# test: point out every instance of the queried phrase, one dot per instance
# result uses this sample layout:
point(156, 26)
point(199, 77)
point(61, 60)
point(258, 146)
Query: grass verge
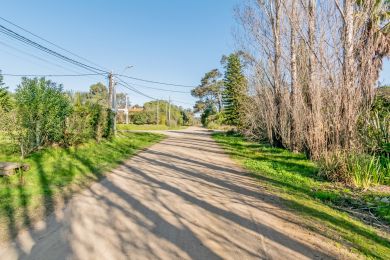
point(133, 127)
point(56, 173)
point(294, 179)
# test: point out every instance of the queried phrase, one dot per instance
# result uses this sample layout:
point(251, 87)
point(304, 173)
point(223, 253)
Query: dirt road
point(181, 199)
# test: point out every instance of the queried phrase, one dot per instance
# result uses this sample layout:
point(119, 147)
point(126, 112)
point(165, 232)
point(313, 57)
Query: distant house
point(136, 108)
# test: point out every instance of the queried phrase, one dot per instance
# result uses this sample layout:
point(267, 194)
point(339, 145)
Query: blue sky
point(165, 40)
point(172, 40)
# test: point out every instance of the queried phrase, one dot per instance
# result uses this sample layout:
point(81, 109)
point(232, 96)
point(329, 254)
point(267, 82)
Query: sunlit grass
point(294, 179)
point(57, 172)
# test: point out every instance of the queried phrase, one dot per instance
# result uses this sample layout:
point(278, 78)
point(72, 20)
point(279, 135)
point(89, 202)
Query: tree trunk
point(348, 71)
point(277, 140)
point(311, 93)
point(293, 68)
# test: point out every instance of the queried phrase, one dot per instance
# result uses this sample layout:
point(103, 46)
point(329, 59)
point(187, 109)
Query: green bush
point(42, 108)
point(101, 118)
point(78, 125)
point(358, 170)
point(90, 117)
point(374, 127)
point(366, 170)
point(334, 167)
point(142, 118)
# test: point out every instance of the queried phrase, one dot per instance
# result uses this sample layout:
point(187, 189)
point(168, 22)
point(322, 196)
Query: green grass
point(133, 127)
point(56, 173)
point(295, 181)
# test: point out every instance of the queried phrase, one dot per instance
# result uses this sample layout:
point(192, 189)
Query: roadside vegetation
point(134, 127)
point(221, 97)
point(321, 111)
point(65, 138)
point(56, 173)
point(158, 112)
point(307, 96)
point(295, 180)
point(301, 98)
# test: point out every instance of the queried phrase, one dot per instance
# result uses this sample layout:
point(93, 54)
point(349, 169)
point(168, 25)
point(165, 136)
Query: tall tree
point(348, 69)
point(293, 72)
point(235, 90)
point(277, 84)
point(210, 90)
point(99, 93)
point(373, 43)
point(121, 100)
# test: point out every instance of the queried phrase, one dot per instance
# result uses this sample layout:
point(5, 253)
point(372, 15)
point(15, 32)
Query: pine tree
point(235, 90)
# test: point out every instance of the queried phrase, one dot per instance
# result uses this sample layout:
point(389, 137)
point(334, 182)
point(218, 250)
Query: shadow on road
point(162, 199)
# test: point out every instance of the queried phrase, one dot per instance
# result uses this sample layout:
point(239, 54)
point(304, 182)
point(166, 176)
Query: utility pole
point(166, 112)
point(169, 112)
point(157, 112)
point(110, 83)
point(127, 110)
point(112, 99)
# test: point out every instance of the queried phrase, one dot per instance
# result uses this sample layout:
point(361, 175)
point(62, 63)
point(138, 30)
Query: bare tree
point(313, 66)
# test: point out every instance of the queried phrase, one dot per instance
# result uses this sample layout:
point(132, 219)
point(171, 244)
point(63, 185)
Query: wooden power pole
point(157, 112)
point(169, 112)
point(112, 99)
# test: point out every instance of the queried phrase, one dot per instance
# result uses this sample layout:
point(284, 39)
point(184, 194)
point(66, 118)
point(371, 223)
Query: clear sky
point(165, 40)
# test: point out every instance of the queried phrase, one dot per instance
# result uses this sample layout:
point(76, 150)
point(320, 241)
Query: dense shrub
point(366, 170)
point(78, 124)
point(355, 169)
point(212, 119)
point(90, 118)
point(371, 165)
point(43, 115)
point(100, 118)
point(143, 117)
point(374, 127)
point(210, 110)
point(42, 108)
point(334, 167)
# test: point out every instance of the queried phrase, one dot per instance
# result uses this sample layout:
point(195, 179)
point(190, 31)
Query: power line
point(36, 57)
point(53, 44)
point(156, 82)
point(96, 71)
point(36, 45)
point(160, 89)
point(126, 85)
point(50, 75)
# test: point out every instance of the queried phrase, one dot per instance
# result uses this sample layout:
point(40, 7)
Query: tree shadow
point(323, 216)
point(190, 169)
point(267, 231)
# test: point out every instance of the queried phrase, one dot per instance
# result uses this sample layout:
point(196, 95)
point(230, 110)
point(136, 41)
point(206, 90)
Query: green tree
point(99, 93)
point(235, 93)
point(210, 90)
point(5, 100)
point(120, 100)
point(163, 107)
point(42, 108)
